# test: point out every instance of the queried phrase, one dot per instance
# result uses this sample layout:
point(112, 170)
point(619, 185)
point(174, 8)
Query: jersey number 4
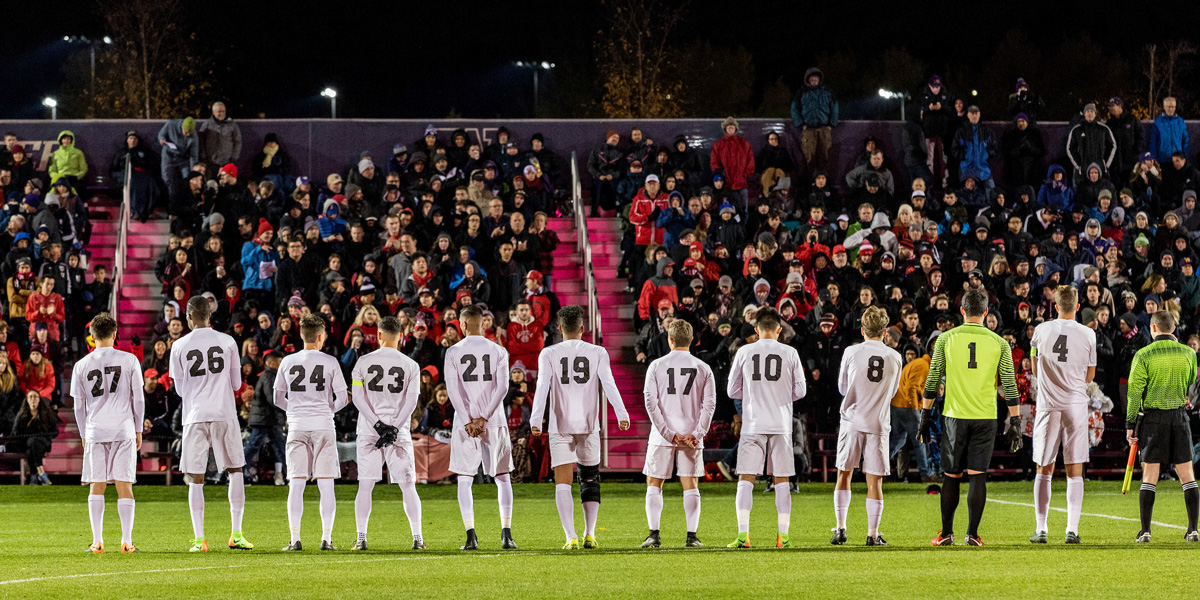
point(216, 362)
point(1060, 348)
point(97, 379)
point(317, 378)
point(774, 361)
point(376, 385)
point(583, 370)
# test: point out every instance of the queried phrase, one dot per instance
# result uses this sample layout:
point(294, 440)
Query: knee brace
point(589, 483)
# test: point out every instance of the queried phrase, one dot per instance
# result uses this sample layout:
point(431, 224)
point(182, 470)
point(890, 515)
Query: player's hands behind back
point(387, 434)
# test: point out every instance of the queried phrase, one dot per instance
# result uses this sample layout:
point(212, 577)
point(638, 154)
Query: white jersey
point(385, 385)
point(869, 379)
point(768, 376)
point(206, 369)
point(1063, 349)
point(109, 403)
point(476, 377)
point(570, 375)
point(681, 394)
point(309, 387)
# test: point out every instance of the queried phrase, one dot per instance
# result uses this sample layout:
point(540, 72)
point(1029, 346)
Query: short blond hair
point(680, 332)
point(874, 321)
point(1066, 297)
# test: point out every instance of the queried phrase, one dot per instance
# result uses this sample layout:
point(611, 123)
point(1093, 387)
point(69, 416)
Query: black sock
point(950, 487)
point(1146, 505)
point(976, 499)
point(1191, 499)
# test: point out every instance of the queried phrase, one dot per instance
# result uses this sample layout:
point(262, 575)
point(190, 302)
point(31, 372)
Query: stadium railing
point(122, 244)
point(594, 323)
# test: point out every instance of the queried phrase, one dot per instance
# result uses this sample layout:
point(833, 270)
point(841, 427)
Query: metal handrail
point(122, 249)
point(594, 323)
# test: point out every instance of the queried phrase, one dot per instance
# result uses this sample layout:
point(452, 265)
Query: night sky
point(423, 59)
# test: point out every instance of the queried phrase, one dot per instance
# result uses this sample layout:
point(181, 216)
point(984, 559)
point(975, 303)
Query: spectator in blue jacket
point(259, 262)
point(180, 149)
point(1055, 193)
point(974, 146)
point(678, 218)
point(1168, 134)
point(333, 227)
point(815, 114)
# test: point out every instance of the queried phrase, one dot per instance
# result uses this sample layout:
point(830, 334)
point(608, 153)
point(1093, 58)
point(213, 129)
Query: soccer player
point(1064, 362)
point(1159, 379)
point(572, 373)
point(384, 387)
point(681, 394)
point(768, 376)
point(477, 382)
point(310, 388)
point(110, 409)
point(970, 356)
point(206, 368)
point(869, 379)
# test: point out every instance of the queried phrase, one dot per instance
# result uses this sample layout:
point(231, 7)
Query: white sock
point(505, 498)
point(466, 502)
point(565, 501)
point(237, 499)
point(328, 508)
point(691, 509)
point(1041, 499)
point(743, 501)
point(654, 504)
point(591, 510)
point(279, 468)
point(125, 510)
point(362, 506)
point(841, 504)
point(96, 515)
point(196, 503)
point(412, 508)
point(295, 506)
point(874, 514)
point(1074, 503)
point(783, 506)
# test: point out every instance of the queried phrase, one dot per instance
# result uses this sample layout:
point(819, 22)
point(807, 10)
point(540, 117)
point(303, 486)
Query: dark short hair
point(470, 313)
point(767, 319)
point(311, 326)
point(570, 318)
point(198, 310)
point(390, 326)
point(975, 302)
point(103, 326)
point(1163, 321)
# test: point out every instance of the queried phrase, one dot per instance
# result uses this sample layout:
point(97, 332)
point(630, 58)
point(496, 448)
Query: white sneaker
point(279, 478)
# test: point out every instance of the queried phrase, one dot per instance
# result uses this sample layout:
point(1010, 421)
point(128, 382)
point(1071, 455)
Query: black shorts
point(967, 444)
point(1165, 437)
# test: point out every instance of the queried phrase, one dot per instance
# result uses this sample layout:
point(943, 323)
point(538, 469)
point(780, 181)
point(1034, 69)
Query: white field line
point(1083, 514)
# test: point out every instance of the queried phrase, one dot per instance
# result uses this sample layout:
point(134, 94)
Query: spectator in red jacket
point(542, 302)
point(39, 373)
point(732, 155)
point(45, 306)
point(525, 339)
point(644, 214)
point(658, 288)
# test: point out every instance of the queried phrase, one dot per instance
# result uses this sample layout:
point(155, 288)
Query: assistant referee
point(1159, 379)
point(972, 357)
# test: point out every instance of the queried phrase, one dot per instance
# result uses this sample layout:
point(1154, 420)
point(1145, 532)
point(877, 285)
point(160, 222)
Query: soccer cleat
point(237, 542)
point(360, 544)
point(328, 546)
point(418, 544)
point(974, 540)
point(1072, 538)
point(572, 544)
point(653, 541)
point(506, 539)
point(693, 541)
point(876, 540)
point(97, 548)
point(726, 472)
point(1142, 538)
point(943, 540)
point(1192, 536)
point(590, 543)
point(293, 547)
point(742, 541)
point(1039, 537)
point(128, 548)
point(199, 545)
point(783, 540)
point(839, 537)
point(472, 543)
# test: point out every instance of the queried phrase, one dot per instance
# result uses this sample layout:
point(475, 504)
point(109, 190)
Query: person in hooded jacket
point(682, 156)
point(143, 189)
point(67, 160)
point(1056, 192)
point(606, 165)
point(1024, 148)
point(274, 164)
point(773, 161)
point(654, 290)
point(815, 114)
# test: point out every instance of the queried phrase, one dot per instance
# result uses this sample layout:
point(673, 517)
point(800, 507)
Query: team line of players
point(680, 396)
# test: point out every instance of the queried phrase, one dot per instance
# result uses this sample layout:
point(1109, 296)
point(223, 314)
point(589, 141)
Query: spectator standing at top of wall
point(1090, 141)
point(1168, 134)
point(220, 139)
point(1127, 130)
point(974, 147)
point(1025, 101)
point(732, 155)
point(815, 114)
point(936, 117)
point(180, 149)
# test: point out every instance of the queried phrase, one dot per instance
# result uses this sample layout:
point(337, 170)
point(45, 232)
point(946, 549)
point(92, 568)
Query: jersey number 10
point(774, 361)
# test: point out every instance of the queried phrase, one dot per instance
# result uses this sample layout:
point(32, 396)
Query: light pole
point(82, 39)
point(52, 104)
point(901, 96)
point(332, 95)
point(536, 66)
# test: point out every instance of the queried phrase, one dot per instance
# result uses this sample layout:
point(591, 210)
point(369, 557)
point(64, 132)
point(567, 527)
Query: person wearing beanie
point(68, 160)
point(180, 149)
point(369, 180)
point(1168, 133)
point(815, 114)
point(1127, 130)
point(731, 155)
point(1023, 147)
point(272, 163)
point(1023, 101)
point(260, 260)
point(143, 188)
point(1089, 142)
point(605, 165)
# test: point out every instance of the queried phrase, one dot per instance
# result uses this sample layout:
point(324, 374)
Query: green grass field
point(43, 532)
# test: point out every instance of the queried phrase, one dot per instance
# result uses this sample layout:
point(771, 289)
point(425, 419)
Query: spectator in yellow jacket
point(67, 161)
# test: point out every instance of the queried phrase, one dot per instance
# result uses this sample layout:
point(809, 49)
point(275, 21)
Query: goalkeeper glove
point(1013, 432)
point(926, 424)
point(387, 434)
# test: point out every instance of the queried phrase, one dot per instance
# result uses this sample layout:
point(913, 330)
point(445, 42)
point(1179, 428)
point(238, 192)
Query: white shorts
point(312, 455)
point(225, 439)
point(107, 462)
point(661, 461)
point(569, 448)
point(870, 450)
point(398, 456)
point(1067, 426)
point(775, 449)
point(492, 449)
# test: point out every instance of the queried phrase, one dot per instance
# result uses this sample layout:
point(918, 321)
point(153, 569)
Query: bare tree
point(634, 59)
point(1163, 67)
